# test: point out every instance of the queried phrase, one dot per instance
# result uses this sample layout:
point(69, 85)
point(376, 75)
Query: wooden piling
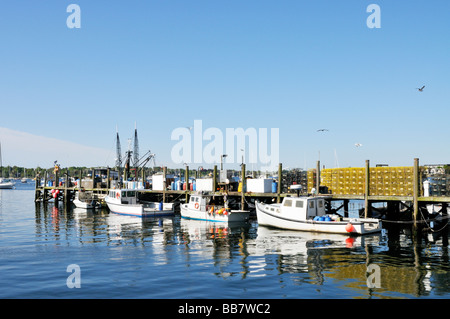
point(164, 183)
point(56, 185)
point(346, 207)
point(215, 178)
point(108, 182)
point(186, 177)
point(317, 178)
point(416, 190)
point(66, 193)
point(244, 182)
point(280, 173)
point(367, 190)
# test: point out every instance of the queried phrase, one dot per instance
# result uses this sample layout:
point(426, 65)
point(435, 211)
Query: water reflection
point(410, 263)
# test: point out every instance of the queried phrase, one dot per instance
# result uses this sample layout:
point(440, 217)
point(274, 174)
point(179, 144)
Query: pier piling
point(416, 189)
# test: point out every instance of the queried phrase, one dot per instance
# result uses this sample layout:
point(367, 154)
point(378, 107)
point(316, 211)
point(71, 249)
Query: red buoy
point(349, 228)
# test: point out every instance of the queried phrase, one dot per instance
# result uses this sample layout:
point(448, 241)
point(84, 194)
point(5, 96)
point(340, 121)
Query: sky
point(292, 65)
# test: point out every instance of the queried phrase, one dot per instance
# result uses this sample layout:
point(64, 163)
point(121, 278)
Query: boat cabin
point(123, 196)
point(199, 202)
point(307, 207)
point(205, 202)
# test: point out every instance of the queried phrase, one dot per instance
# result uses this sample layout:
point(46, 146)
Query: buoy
point(349, 228)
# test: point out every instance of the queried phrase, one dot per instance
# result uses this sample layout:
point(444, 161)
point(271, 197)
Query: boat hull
point(6, 185)
point(138, 210)
point(356, 227)
point(232, 216)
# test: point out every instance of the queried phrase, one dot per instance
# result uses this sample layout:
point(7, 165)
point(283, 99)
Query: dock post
point(186, 177)
point(280, 173)
point(243, 187)
point(108, 182)
point(346, 207)
point(56, 185)
point(215, 178)
point(164, 183)
point(45, 185)
point(317, 178)
point(416, 190)
point(367, 190)
point(66, 196)
point(36, 187)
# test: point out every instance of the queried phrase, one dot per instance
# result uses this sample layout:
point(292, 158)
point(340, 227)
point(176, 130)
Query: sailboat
point(24, 178)
point(4, 183)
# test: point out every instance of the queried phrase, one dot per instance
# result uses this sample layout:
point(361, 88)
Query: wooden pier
point(404, 195)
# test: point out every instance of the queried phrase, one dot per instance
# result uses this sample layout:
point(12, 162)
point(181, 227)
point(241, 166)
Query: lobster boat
point(308, 214)
point(202, 207)
point(126, 202)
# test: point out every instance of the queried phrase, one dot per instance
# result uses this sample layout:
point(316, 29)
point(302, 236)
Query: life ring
point(117, 195)
point(196, 205)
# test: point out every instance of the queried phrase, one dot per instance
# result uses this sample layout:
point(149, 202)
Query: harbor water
point(57, 252)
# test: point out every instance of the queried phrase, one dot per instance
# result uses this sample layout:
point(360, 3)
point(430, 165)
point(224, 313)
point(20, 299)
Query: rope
point(419, 221)
point(442, 218)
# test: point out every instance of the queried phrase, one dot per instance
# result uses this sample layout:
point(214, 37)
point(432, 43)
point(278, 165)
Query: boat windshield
point(287, 202)
point(128, 193)
point(299, 204)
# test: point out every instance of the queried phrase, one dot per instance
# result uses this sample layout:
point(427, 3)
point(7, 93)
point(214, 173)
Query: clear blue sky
point(294, 65)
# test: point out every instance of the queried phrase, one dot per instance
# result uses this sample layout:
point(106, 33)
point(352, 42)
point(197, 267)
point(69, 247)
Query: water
point(126, 257)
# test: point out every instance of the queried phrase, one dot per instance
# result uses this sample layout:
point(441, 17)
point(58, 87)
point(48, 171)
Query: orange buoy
point(349, 228)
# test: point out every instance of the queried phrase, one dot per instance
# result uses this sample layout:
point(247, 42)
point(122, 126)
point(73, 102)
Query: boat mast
point(135, 151)
point(1, 164)
point(118, 153)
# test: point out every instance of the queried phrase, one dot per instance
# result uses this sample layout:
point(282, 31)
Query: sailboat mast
point(1, 163)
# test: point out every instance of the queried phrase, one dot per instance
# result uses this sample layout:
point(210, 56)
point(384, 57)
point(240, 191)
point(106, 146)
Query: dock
point(400, 188)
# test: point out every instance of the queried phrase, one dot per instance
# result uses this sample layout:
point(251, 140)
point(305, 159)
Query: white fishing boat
point(126, 202)
point(308, 214)
point(202, 207)
point(85, 200)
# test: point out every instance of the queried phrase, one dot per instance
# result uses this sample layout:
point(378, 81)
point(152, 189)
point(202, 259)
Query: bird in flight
point(323, 130)
point(421, 89)
point(358, 144)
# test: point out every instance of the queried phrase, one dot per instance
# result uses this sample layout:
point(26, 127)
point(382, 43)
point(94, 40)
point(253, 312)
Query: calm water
point(126, 257)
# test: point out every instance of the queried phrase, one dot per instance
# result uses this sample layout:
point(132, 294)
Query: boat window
point(299, 204)
point(287, 203)
point(131, 194)
point(311, 204)
point(124, 194)
point(320, 203)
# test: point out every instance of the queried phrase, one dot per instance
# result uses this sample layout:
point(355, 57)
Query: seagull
point(358, 144)
point(421, 89)
point(322, 130)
